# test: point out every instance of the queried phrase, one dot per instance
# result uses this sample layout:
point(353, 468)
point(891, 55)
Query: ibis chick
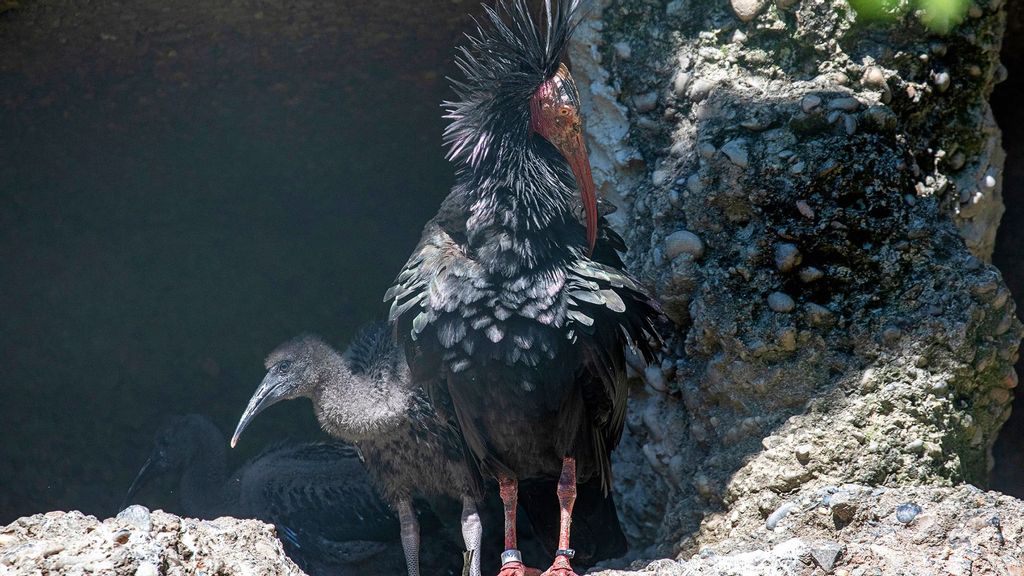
point(365, 396)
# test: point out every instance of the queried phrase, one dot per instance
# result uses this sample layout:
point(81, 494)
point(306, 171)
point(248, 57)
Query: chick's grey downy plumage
point(365, 396)
point(318, 495)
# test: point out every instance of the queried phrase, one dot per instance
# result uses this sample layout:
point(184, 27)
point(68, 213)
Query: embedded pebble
point(736, 151)
point(137, 516)
point(810, 274)
point(700, 89)
point(941, 81)
point(781, 512)
point(803, 453)
point(746, 9)
point(659, 177)
point(681, 82)
point(146, 569)
point(999, 395)
point(623, 50)
point(645, 102)
point(850, 124)
point(873, 76)
point(787, 257)
point(818, 314)
point(989, 182)
point(694, 184)
point(706, 150)
point(781, 302)
point(845, 104)
point(906, 512)
point(842, 506)
point(787, 339)
point(805, 209)
point(826, 555)
point(915, 445)
point(683, 242)
point(810, 102)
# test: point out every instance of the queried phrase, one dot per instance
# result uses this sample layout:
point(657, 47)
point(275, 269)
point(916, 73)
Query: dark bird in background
point(514, 308)
point(317, 494)
point(366, 397)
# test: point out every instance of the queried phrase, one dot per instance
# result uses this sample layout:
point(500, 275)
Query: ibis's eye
point(283, 366)
point(564, 111)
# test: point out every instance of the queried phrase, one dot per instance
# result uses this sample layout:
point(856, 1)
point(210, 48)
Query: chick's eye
point(283, 367)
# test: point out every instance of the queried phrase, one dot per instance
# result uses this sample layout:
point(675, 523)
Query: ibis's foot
point(560, 567)
point(513, 569)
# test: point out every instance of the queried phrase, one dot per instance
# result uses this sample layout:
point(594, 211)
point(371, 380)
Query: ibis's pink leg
point(566, 499)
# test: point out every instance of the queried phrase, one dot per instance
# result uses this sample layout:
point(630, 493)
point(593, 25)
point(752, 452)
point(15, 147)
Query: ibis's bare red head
point(555, 115)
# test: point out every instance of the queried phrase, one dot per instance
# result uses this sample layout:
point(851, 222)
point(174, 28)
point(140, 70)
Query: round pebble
point(906, 512)
point(847, 104)
point(873, 76)
point(136, 515)
point(941, 81)
point(736, 151)
point(683, 242)
point(787, 257)
point(623, 50)
point(700, 89)
point(810, 102)
point(746, 9)
point(681, 82)
point(645, 102)
point(694, 184)
point(781, 302)
point(810, 274)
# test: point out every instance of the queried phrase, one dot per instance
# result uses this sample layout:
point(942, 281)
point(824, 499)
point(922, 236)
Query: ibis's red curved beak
point(555, 115)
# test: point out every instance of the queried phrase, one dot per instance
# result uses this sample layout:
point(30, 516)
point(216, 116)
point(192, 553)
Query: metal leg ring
point(568, 553)
point(509, 556)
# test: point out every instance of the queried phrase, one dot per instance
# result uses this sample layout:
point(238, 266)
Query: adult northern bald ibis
point(514, 308)
point(365, 397)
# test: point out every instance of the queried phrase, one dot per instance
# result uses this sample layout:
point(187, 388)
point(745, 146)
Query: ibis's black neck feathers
point(503, 65)
point(524, 212)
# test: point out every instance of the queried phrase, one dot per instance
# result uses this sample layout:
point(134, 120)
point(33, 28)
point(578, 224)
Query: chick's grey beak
point(140, 480)
point(270, 392)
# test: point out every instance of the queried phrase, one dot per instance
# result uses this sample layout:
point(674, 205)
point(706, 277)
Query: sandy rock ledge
point(855, 530)
point(140, 543)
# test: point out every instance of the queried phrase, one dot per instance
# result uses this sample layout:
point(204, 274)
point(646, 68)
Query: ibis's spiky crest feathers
point(504, 62)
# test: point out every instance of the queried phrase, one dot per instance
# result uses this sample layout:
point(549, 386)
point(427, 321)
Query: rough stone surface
point(804, 128)
point(141, 543)
point(960, 530)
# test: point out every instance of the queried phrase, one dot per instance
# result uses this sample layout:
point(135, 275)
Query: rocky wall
point(815, 199)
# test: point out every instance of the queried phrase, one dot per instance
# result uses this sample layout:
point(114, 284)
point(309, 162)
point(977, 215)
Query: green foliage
point(939, 15)
point(943, 15)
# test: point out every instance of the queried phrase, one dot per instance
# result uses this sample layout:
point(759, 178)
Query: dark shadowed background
point(185, 185)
